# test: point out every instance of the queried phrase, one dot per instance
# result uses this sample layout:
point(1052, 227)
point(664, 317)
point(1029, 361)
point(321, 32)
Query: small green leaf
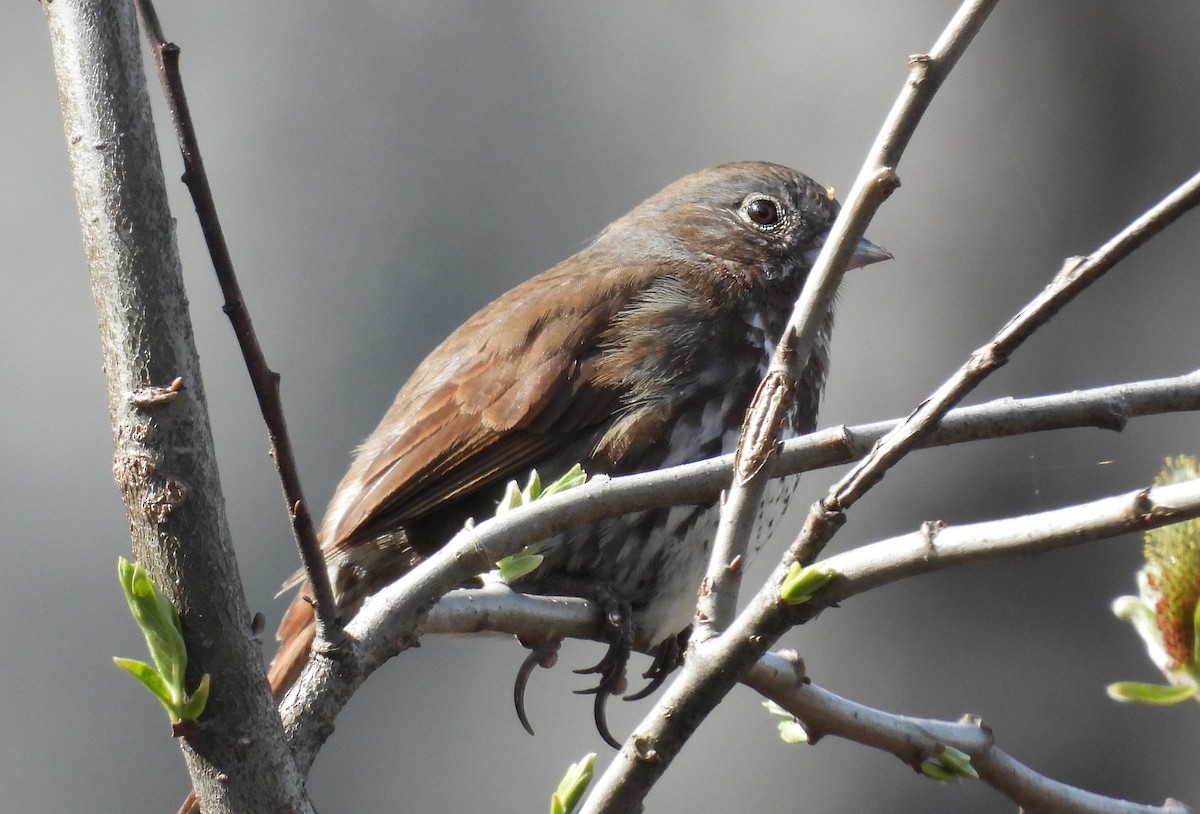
point(197, 702)
point(575, 476)
point(790, 728)
point(802, 582)
point(935, 771)
point(793, 732)
point(159, 623)
point(949, 765)
point(157, 619)
point(151, 680)
point(1157, 694)
point(958, 762)
point(515, 496)
point(518, 565)
point(512, 568)
point(571, 788)
point(533, 489)
point(511, 499)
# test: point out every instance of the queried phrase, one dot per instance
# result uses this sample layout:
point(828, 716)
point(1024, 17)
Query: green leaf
point(575, 476)
point(151, 680)
point(790, 728)
point(157, 619)
point(518, 565)
point(159, 623)
point(512, 568)
point(793, 732)
point(533, 489)
point(958, 762)
point(197, 702)
point(1157, 694)
point(801, 583)
point(511, 499)
point(515, 496)
point(935, 771)
point(949, 765)
point(571, 788)
point(573, 785)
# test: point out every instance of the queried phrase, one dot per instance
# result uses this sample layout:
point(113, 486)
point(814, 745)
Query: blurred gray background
point(383, 169)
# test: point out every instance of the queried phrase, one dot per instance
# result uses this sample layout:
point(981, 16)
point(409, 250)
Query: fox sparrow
point(641, 351)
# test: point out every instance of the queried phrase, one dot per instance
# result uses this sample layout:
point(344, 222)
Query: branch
point(913, 740)
point(1102, 407)
point(264, 380)
point(395, 617)
point(876, 181)
point(712, 668)
point(707, 677)
point(164, 461)
point(1075, 275)
point(934, 547)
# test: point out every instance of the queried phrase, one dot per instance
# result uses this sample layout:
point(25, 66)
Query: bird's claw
point(618, 630)
point(667, 657)
point(543, 654)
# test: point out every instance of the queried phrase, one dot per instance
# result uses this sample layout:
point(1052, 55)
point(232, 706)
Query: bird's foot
point(617, 630)
point(667, 657)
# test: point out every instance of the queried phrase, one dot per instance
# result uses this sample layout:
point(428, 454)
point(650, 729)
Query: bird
point(641, 351)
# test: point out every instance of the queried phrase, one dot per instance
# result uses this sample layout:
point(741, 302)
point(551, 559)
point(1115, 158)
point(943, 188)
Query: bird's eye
point(762, 211)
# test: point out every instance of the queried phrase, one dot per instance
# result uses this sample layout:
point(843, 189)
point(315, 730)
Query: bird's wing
point(514, 383)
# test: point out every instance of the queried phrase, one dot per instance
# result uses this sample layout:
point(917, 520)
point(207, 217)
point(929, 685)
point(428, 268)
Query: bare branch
point(164, 461)
point(264, 380)
point(915, 739)
point(936, 547)
point(876, 181)
point(1075, 275)
point(1103, 407)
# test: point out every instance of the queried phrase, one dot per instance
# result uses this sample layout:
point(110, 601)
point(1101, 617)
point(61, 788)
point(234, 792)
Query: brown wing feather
point(461, 424)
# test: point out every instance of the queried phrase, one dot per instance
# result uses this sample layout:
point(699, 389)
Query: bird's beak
point(865, 253)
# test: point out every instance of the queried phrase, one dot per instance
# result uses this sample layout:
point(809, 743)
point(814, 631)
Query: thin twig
point(876, 181)
point(915, 739)
point(264, 380)
point(1075, 275)
point(936, 548)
